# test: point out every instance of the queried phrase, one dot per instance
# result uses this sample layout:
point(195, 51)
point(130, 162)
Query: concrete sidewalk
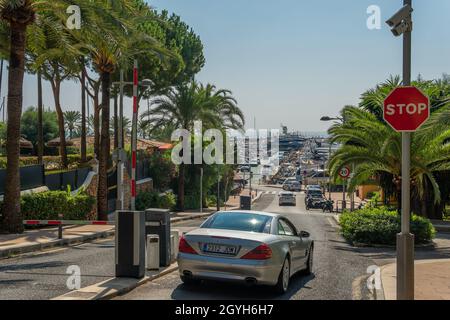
point(36, 240)
point(432, 280)
point(113, 287)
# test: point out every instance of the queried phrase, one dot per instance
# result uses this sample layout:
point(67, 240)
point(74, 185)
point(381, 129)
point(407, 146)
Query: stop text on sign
point(411, 109)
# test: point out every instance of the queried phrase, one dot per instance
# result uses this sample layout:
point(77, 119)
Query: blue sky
point(292, 61)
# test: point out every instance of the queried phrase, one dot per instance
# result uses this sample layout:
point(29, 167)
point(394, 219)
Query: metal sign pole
point(405, 240)
point(134, 137)
point(201, 190)
point(120, 146)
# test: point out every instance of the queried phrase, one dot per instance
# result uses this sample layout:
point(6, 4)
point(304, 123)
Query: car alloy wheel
point(309, 264)
point(286, 275)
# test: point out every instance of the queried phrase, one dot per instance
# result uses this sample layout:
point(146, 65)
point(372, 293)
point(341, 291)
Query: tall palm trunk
point(96, 126)
point(40, 143)
point(116, 121)
point(102, 196)
point(83, 117)
point(56, 87)
point(12, 218)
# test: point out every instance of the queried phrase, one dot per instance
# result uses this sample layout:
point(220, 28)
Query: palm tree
point(83, 118)
point(19, 14)
point(52, 54)
point(72, 121)
point(186, 103)
point(375, 149)
point(115, 45)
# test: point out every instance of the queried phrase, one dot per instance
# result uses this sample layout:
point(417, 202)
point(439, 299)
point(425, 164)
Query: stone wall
point(144, 185)
point(91, 187)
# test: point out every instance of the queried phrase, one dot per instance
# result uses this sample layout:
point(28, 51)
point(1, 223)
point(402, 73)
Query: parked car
point(295, 186)
point(251, 247)
point(245, 168)
point(287, 198)
point(313, 192)
point(319, 176)
point(287, 183)
point(315, 203)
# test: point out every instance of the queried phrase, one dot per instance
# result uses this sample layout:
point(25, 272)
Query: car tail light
point(262, 252)
point(184, 247)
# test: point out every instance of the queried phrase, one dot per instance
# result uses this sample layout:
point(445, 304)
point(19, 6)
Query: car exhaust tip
point(250, 281)
point(187, 273)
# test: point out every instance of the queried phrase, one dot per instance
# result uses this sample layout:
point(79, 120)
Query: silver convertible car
point(246, 246)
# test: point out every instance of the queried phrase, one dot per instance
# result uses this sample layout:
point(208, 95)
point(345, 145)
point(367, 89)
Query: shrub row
point(380, 226)
point(48, 205)
point(146, 200)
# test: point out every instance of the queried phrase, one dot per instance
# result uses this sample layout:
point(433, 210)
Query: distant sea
point(309, 134)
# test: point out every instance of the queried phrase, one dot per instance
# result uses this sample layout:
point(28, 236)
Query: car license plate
point(218, 248)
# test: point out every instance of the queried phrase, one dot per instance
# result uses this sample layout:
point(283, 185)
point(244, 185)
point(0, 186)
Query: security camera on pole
point(405, 109)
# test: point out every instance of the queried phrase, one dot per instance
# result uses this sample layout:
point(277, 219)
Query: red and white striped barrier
point(65, 222)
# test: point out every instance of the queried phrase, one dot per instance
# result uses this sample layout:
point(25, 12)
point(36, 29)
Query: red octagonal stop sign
point(406, 109)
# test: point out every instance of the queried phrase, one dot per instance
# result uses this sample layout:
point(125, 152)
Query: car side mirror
point(304, 234)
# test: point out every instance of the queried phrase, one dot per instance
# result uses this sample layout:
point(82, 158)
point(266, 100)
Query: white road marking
point(330, 221)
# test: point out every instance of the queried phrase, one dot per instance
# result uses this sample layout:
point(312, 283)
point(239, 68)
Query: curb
point(101, 291)
point(20, 249)
point(442, 228)
point(336, 218)
point(379, 293)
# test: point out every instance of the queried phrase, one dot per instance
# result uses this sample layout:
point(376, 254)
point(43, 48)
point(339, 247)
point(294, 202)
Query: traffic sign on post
point(406, 109)
point(345, 172)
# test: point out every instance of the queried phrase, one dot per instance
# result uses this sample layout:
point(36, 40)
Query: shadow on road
point(213, 290)
point(31, 266)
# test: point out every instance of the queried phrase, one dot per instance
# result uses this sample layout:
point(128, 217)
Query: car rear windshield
point(315, 193)
point(239, 221)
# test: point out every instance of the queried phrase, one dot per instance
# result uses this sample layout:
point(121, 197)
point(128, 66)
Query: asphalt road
point(339, 269)
point(41, 276)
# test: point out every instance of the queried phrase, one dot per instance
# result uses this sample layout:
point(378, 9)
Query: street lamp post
point(201, 189)
point(120, 154)
point(329, 176)
point(218, 189)
point(344, 204)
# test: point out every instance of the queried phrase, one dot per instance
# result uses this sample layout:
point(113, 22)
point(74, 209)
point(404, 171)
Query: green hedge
point(147, 200)
point(380, 226)
point(47, 205)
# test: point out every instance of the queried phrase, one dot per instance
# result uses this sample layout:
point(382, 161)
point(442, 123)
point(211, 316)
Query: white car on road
point(287, 198)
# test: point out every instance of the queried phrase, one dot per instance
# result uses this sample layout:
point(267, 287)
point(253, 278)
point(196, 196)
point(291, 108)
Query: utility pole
point(344, 203)
point(120, 155)
point(134, 136)
point(201, 189)
point(218, 189)
point(329, 176)
point(1, 80)
point(405, 240)
point(352, 196)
